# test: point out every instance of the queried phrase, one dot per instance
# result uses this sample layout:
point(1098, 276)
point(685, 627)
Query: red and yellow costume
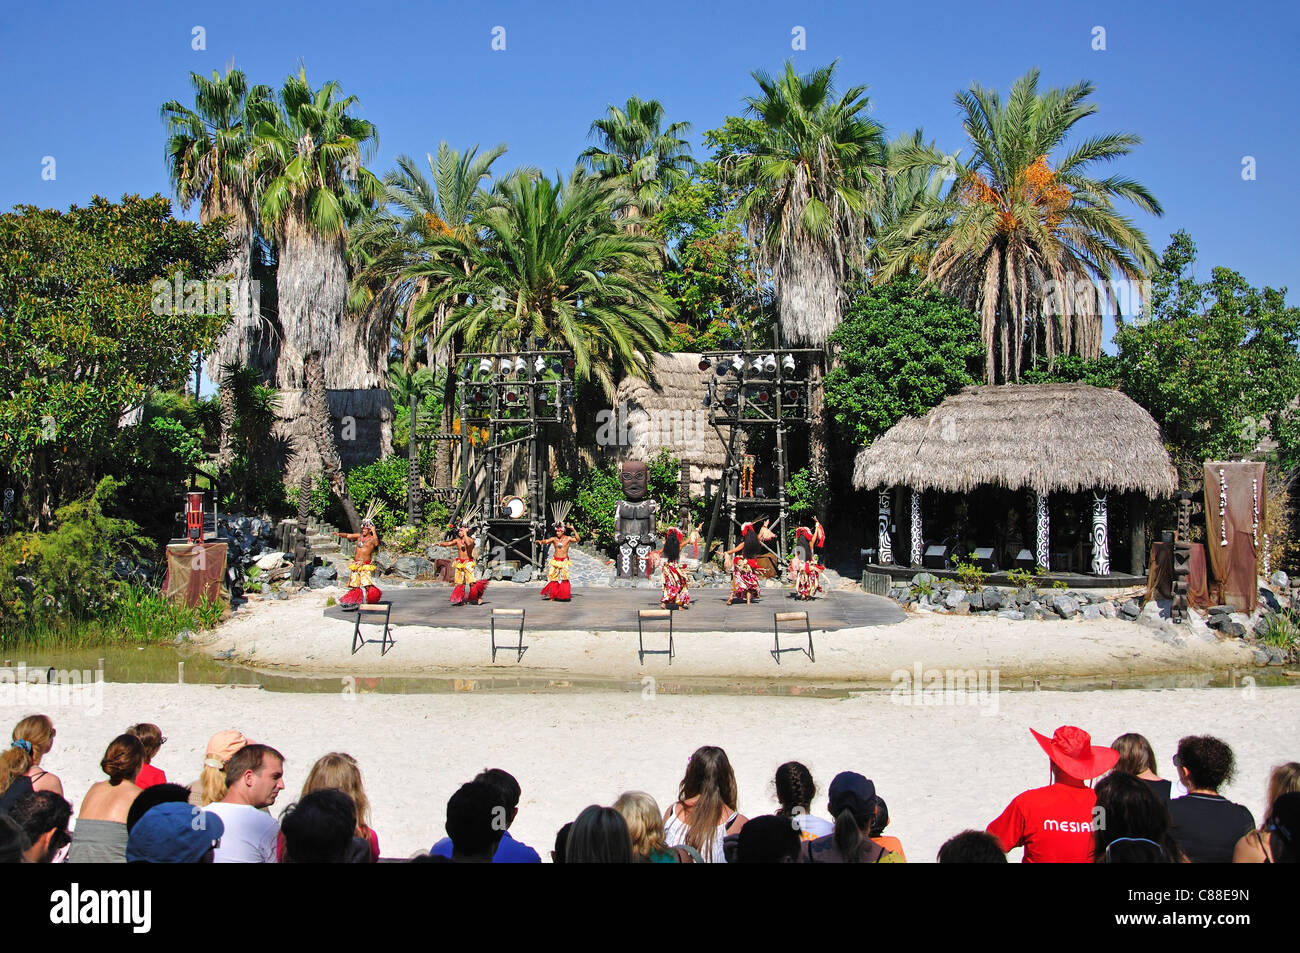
point(557, 580)
point(465, 577)
point(674, 579)
point(807, 573)
point(361, 589)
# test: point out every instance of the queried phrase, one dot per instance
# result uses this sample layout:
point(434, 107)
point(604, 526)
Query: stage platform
point(611, 609)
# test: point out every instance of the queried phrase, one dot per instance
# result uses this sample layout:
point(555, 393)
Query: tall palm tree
point(810, 173)
point(918, 177)
point(1027, 225)
point(635, 151)
point(206, 152)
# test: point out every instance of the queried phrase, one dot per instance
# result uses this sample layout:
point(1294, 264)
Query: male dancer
point(362, 567)
point(805, 568)
point(464, 567)
point(557, 577)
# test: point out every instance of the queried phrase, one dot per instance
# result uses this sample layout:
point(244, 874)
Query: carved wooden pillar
point(884, 519)
point(916, 527)
point(1042, 532)
point(1100, 536)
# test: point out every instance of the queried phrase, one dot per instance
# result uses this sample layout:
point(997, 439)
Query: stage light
point(539, 365)
point(512, 395)
point(555, 366)
point(541, 396)
point(705, 363)
point(757, 364)
point(763, 396)
point(570, 363)
point(519, 365)
point(506, 365)
point(721, 369)
point(792, 395)
point(788, 362)
point(737, 363)
point(729, 398)
point(769, 363)
point(485, 365)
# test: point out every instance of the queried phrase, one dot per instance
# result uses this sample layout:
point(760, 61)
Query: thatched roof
point(671, 414)
point(1044, 437)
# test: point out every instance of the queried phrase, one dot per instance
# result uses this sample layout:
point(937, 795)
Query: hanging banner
point(1235, 499)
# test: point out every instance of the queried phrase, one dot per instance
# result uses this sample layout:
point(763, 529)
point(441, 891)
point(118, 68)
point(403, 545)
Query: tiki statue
point(634, 522)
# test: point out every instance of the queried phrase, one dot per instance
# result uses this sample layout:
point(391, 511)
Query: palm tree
point(636, 152)
point(810, 170)
point(1024, 229)
point(918, 177)
point(206, 151)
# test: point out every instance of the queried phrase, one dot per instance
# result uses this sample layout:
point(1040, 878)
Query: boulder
point(325, 572)
point(924, 579)
point(1219, 610)
point(269, 560)
point(1010, 614)
point(992, 598)
point(1234, 629)
point(1092, 612)
point(525, 574)
point(1130, 609)
point(1155, 612)
point(1268, 600)
point(1108, 610)
point(1260, 656)
point(1276, 656)
point(1024, 597)
point(975, 600)
point(1064, 606)
point(1279, 580)
point(412, 567)
point(954, 598)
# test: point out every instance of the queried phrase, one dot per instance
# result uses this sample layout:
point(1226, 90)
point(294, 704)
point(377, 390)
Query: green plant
point(330, 601)
point(920, 589)
point(1024, 578)
point(405, 538)
point(1279, 629)
point(1060, 584)
point(318, 499)
point(969, 575)
point(385, 481)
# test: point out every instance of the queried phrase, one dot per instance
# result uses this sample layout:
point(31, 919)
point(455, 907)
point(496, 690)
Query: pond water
point(172, 664)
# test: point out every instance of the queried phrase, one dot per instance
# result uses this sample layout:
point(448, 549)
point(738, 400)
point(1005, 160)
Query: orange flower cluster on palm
point(1040, 188)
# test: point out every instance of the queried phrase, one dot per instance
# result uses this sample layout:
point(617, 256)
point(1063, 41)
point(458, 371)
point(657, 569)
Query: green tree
point(902, 349)
point(85, 335)
point(1215, 362)
point(638, 154)
point(1026, 230)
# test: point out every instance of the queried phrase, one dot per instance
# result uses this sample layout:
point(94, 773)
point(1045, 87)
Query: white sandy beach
point(941, 768)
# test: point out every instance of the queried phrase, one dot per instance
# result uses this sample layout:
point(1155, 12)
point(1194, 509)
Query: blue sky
point(1205, 85)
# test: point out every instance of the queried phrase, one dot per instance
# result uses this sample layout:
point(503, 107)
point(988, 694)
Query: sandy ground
point(941, 767)
point(294, 635)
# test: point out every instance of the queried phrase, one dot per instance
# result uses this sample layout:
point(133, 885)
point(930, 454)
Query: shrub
point(969, 575)
point(385, 481)
point(1279, 629)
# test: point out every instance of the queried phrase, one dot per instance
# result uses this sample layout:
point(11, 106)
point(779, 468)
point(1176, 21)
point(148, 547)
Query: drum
point(513, 507)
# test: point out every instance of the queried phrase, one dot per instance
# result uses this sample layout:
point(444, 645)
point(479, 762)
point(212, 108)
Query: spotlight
point(763, 396)
point(788, 362)
point(792, 395)
point(541, 396)
point(485, 365)
point(757, 364)
point(480, 395)
point(555, 366)
point(769, 363)
point(539, 365)
point(570, 363)
point(737, 363)
point(705, 363)
point(721, 369)
point(512, 395)
point(519, 365)
point(729, 398)
point(507, 365)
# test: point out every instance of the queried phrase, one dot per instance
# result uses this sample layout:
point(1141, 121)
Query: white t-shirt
point(811, 827)
point(250, 835)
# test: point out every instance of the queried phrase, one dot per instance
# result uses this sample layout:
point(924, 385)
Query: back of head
point(340, 772)
point(12, 841)
point(672, 547)
point(507, 788)
point(972, 847)
point(319, 828)
point(475, 821)
point(1284, 779)
point(853, 804)
point(795, 789)
point(1132, 825)
point(752, 547)
point(248, 758)
point(768, 840)
point(153, 796)
point(1284, 829)
point(41, 812)
point(123, 759)
point(599, 836)
point(561, 842)
point(1135, 754)
point(710, 778)
point(1207, 760)
point(645, 823)
point(32, 738)
point(150, 736)
point(880, 816)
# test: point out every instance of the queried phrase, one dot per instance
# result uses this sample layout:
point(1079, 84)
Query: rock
point(1064, 606)
point(1219, 610)
point(1033, 608)
point(992, 598)
point(1268, 600)
point(325, 571)
point(1108, 610)
point(1092, 612)
point(525, 574)
point(954, 598)
point(269, 561)
point(27, 584)
point(924, 579)
point(1234, 629)
point(1024, 597)
point(1010, 614)
point(1276, 656)
point(1154, 612)
point(319, 582)
point(1130, 609)
point(412, 567)
point(1279, 580)
point(1241, 619)
point(1260, 656)
point(962, 608)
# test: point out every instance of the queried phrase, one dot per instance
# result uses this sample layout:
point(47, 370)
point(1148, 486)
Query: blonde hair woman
point(20, 764)
point(1254, 848)
point(646, 826)
point(340, 772)
point(211, 785)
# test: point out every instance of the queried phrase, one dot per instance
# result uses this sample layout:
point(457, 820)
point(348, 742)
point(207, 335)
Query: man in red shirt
point(1055, 824)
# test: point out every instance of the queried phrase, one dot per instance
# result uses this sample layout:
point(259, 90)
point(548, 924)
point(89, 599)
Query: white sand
point(294, 635)
point(940, 768)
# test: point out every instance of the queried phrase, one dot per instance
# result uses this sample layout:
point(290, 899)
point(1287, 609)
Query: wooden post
point(884, 518)
point(916, 527)
point(1043, 532)
point(1138, 537)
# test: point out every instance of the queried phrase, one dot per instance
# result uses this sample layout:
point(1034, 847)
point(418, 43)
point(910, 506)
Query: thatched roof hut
point(669, 412)
point(1044, 437)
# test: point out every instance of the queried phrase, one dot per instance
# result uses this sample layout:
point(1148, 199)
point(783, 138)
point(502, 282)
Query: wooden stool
point(642, 651)
point(777, 619)
point(386, 641)
point(520, 648)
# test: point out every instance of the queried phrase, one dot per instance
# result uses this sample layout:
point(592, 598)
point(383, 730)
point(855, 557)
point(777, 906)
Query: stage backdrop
point(1235, 496)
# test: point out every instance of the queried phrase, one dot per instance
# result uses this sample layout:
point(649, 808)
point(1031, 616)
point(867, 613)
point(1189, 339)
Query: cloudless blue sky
point(1203, 84)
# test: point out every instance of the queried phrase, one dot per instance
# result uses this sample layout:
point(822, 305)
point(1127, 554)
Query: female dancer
point(675, 580)
point(744, 563)
point(805, 566)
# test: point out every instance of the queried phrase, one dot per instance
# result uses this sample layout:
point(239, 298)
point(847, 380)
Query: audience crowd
point(226, 816)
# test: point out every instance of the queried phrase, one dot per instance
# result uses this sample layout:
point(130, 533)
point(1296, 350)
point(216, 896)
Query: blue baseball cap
point(173, 833)
point(850, 789)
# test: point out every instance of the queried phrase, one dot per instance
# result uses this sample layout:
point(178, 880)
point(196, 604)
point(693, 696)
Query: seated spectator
point(254, 778)
point(561, 841)
point(319, 829)
point(211, 785)
point(151, 737)
point(795, 791)
point(772, 839)
point(1284, 830)
point(100, 835)
point(341, 772)
point(853, 805)
point(474, 823)
point(509, 851)
point(1137, 758)
point(1054, 823)
point(43, 817)
point(20, 764)
point(599, 836)
point(151, 797)
point(1253, 848)
point(1132, 824)
point(1207, 825)
point(705, 814)
point(174, 832)
point(878, 824)
point(972, 847)
point(646, 828)
point(13, 842)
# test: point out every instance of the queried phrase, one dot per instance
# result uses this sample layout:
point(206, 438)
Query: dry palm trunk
point(226, 444)
point(312, 284)
point(322, 431)
point(242, 342)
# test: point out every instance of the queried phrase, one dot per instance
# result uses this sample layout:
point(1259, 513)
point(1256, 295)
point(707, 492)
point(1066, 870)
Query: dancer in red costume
point(467, 589)
point(805, 566)
point(744, 563)
point(557, 577)
point(675, 580)
point(362, 567)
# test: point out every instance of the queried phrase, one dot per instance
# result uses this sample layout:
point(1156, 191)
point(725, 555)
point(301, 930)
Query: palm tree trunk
point(242, 341)
point(322, 430)
point(226, 442)
point(312, 283)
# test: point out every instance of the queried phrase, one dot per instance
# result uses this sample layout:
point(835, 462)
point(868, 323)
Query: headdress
point(559, 512)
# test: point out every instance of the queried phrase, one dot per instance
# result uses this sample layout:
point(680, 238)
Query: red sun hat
point(1071, 749)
